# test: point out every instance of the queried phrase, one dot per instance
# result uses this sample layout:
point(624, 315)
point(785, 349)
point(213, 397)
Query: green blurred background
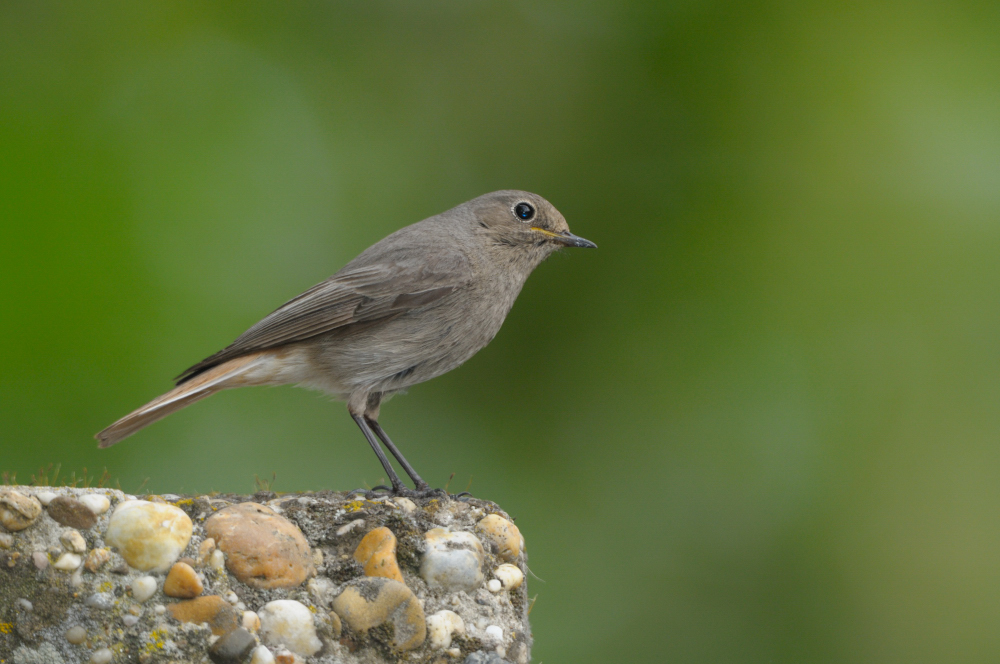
point(759, 424)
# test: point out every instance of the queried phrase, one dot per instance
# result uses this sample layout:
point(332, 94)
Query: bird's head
point(522, 219)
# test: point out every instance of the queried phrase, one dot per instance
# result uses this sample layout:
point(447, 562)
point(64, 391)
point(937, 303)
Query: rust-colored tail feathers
point(203, 385)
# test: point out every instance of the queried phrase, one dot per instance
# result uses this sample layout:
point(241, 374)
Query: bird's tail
point(228, 374)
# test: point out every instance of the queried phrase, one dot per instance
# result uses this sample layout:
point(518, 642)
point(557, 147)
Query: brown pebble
point(182, 582)
point(187, 560)
point(71, 512)
point(205, 550)
point(263, 549)
point(377, 553)
point(96, 559)
point(211, 609)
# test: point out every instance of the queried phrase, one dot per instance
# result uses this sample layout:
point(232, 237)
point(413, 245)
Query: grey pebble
point(483, 657)
point(232, 648)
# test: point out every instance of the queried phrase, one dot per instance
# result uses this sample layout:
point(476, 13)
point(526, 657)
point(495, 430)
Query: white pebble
point(217, 560)
point(150, 536)
point(159, 609)
point(261, 655)
point(231, 597)
point(509, 575)
point(452, 561)
point(68, 562)
point(494, 586)
point(46, 497)
point(405, 504)
point(25, 605)
point(481, 623)
point(251, 621)
point(343, 530)
point(76, 635)
point(76, 579)
point(453, 652)
point(143, 588)
point(289, 623)
point(102, 656)
point(494, 632)
point(441, 626)
point(96, 503)
point(73, 541)
point(130, 620)
point(40, 559)
point(102, 601)
point(6, 540)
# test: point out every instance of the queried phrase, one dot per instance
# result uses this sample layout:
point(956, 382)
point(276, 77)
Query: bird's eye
point(524, 211)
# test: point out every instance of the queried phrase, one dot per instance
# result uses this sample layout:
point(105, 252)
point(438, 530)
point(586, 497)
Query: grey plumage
point(414, 305)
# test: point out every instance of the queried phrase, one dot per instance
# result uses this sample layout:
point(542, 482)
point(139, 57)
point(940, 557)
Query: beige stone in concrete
point(377, 554)
point(371, 601)
point(263, 549)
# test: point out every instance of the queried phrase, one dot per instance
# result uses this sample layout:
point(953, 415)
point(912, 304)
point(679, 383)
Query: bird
point(411, 307)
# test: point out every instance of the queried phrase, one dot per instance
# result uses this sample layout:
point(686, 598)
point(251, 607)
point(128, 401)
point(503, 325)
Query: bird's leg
point(397, 484)
point(421, 485)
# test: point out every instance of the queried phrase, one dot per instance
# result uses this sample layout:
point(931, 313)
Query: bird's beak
point(566, 238)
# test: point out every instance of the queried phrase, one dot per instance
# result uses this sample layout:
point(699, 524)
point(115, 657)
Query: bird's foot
point(425, 491)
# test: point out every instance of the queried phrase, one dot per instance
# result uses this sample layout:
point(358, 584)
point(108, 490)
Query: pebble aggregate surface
point(96, 576)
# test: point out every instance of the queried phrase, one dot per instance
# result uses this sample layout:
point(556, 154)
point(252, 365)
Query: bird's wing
point(359, 294)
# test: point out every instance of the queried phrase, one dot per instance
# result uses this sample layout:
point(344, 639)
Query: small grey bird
point(409, 308)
